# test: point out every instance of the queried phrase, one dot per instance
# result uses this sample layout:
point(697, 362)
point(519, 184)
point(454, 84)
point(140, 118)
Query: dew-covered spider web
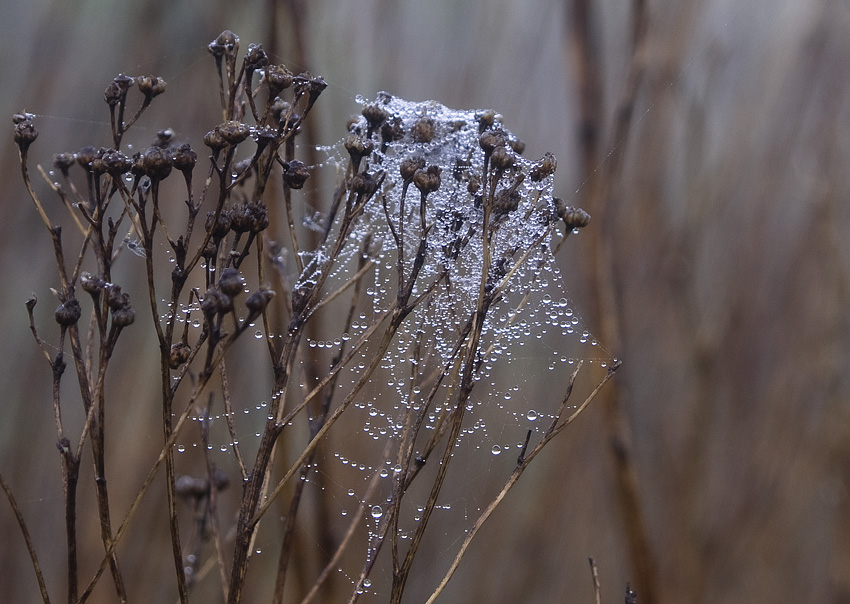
point(531, 338)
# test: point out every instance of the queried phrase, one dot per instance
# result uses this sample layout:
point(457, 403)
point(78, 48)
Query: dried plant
point(423, 267)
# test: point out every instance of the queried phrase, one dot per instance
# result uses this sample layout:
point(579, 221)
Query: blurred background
point(710, 141)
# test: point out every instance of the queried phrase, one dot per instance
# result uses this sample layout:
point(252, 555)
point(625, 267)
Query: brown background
point(724, 277)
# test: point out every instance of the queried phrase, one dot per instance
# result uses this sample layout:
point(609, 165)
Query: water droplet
point(258, 334)
point(377, 511)
point(496, 450)
point(180, 448)
point(531, 415)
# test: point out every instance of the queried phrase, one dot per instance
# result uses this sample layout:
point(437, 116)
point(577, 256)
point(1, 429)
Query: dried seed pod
point(502, 159)
point(63, 162)
point(91, 285)
point(375, 115)
point(226, 43)
point(231, 282)
point(575, 218)
point(486, 119)
point(184, 159)
point(256, 57)
point(233, 132)
point(179, 354)
point(214, 140)
point(544, 168)
point(424, 130)
point(218, 227)
point(428, 180)
point(157, 163)
point(25, 134)
point(364, 184)
point(278, 78)
point(150, 86)
point(68, 313)
point(490, 140)
point(295, 174)
point(123, 317)
point(257, 302)
point(409, 167)
point(116, 163)
point(358, 147)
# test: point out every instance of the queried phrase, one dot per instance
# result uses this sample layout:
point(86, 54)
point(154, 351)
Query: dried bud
point(364, 184)
point(85, 157)
point(184, 159)
point(123, 317)
point(163, 138)
point(150, 86)
point(392, 130)
point(424, 130)
point(179, 354)
point(490, 140)
point(427, 181)
point(257, 302)
point(91, 284)
point(215, 302)
point(117, 89)
point(214, 140)
point(575, 218)
point(226, 43)
point(409, 167)
point(218, 227)
point(544, 168)
point(259, 216)
point(116, 299)
point(157, 163)
point(295, 174)
point(233, 132)
point(256, 57)
point(25, 135)
point(358, 148)
point(309, 85)
point(96, 165)
point(375, 115)
point(486, 119)
point(278, 79)
point(502, 159)
point(63, 162)
point(264, 135)
point(116, 163)
point(231, 282)
point(68, 313)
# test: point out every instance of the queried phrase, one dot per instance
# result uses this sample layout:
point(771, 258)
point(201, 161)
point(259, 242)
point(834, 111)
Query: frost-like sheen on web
point(521, 223)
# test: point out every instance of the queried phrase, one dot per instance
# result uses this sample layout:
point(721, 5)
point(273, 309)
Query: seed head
point(68, 313)
point(179, 354)
point(185, 159)
point(428, 180)
point(257, 302)
point(502, 159)
point(409, 167)
point(231, 282)
point(545, 167)
point(233, 132)
point(278, 79)
point(226, 43)
point(25, 134)
point(157, 163)
point(424, 130)
point(295, 174)
point(63, 162)
point(150, 86)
